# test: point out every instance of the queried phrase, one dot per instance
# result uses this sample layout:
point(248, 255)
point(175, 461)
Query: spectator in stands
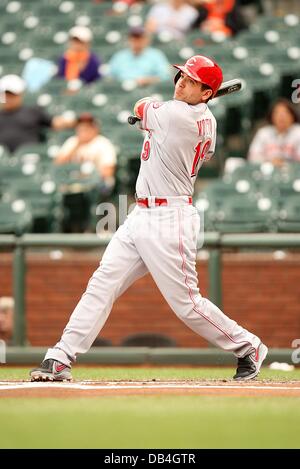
point(20, 124)
point(6, 318)
point(221, 16)
point(89, 145)
point(174, 17)
point(37, 72)
point(279, 141)
point(78, 62)
point(140, 62)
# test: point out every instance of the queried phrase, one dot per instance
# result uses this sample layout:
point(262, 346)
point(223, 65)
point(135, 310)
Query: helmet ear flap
point(177, 76)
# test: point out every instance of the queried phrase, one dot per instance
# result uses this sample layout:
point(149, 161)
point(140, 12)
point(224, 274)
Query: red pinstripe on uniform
point(183, 268)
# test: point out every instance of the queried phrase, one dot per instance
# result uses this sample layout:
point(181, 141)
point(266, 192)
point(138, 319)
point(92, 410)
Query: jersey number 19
point(201, 151)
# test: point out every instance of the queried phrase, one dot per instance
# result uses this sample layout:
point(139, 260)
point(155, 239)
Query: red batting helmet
point(204, 70)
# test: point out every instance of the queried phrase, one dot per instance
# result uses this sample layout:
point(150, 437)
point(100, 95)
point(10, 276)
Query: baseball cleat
point(249, 366)
point(51, 370)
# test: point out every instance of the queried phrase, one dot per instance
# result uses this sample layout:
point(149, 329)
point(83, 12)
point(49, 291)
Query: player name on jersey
point(205, 127)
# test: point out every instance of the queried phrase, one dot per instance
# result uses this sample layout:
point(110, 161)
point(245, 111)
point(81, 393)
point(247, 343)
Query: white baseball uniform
point(159, 236)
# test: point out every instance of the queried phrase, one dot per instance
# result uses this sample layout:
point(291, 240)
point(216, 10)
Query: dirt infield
point(153, 387)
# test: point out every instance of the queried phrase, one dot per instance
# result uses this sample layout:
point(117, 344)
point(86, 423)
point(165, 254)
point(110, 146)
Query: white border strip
point(85, 387)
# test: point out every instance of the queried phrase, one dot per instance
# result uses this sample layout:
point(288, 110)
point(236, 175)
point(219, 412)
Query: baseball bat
point(227, 87)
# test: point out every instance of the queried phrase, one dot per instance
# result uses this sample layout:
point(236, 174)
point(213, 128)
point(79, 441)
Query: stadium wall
point(259, 292)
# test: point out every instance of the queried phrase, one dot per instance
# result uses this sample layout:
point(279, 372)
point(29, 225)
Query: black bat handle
point(133, 120)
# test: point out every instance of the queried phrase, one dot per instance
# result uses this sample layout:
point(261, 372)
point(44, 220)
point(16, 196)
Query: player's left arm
point(211, 149)
point(139, 107)
point(155, 115)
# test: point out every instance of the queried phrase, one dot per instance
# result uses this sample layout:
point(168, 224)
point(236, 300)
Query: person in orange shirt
point(79, 62)
point(219, 16)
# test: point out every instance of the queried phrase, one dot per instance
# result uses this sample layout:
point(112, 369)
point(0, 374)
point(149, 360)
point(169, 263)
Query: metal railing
point(215, 242)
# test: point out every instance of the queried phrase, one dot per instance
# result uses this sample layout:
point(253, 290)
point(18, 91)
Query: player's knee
point(191, 308)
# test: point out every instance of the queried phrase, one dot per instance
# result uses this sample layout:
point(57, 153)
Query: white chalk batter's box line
point(85, 387)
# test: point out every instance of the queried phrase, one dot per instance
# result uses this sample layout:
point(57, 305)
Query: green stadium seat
point(11, 171)
point(198, 40)
point(239, 112)
point(80, 186)
point(289, 215)
point(15, 67)
point(255, 42)
point(219, 111)
point(172, 51)
point(207, 209)
point(44, 40)
point(242, 215)
point(32, 153)
point(288, 188)
point(281, 24)
point(13, 8)
point(290, 171)
point(245, 170)
point(10, 24)
point(45, 202)
point(129, 142)
point(212, 198)
point(7, 56)
point(264, 81)
point(58, 138)
point(55, 87)
point(219, 190)
point(287, 62)
point(74, 177)
point(163, 88)
point(15, 217)
point(225, 54)
point(220, 203)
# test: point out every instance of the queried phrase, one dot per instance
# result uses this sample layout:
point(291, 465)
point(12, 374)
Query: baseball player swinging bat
point(227, 87)
point(160, 235)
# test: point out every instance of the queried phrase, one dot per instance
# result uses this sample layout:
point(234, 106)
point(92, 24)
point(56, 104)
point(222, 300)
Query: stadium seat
point(80, 186)
point(198, 40)
point(56, 139)
point(219, 111)
point(130, 141)
point(45, 203)
point(74, 177)
point(259, 173)
point(242, 215)
point(32, 152)
point(163, 88)
point(211, 200)
point(289, 172)
point(257, 41)
point(239, 111)
point(264, 81)
point(288, 220)
point(288, 188)
point(11, 171)
point(15, 217)
point(172, 51)
point(282, 24)
point(287, 61)
point(219, 190)
point(55, 87)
